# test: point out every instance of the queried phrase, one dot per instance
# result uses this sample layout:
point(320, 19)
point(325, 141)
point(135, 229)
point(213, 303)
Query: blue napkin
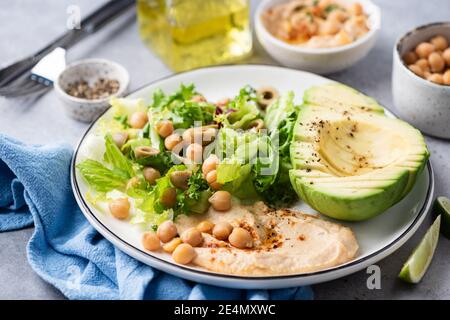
point(66, 251)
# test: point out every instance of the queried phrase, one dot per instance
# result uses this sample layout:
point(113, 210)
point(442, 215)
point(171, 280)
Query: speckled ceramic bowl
point(422, 103)
point(89, 70)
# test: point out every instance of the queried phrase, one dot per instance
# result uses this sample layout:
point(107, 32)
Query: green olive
point(169, 197)
point(180, 179)
point(145, 151)
point(151, 175)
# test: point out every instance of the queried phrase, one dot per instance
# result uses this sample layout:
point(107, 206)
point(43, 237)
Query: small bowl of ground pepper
point(86, 87)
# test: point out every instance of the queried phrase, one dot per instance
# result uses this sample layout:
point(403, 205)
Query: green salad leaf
point(99, 177)
point(280, 121)
point(240, 111)
point(116, 158)
point(161, 161)
point(180, 109)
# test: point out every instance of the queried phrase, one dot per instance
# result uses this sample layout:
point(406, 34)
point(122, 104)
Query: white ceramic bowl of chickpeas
point(320, 36)
point(421, 78)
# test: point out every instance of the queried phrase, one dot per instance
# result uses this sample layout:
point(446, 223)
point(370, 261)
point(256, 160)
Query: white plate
point(378, 237)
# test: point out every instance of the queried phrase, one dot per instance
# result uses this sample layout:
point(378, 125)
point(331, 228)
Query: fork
point(36, 74)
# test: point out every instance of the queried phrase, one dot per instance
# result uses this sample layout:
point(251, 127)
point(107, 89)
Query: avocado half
point(350, 161)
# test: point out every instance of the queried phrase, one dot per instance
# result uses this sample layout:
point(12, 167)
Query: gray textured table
point(24, 29)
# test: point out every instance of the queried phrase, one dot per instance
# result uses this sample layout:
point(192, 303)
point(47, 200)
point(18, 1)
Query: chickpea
point(192, 236)
point(446, 56)
point(436, 62)
point(172, 141)
point(198, 98)
point(240, 238)
point(410, 58)
point(324, 3)
point(446, 77)
point(221, 200)
point(331, 27)
point(145, 151)
point(120, 138)
point(166, 231)
point(170, 246)
point(426, 74)
point(416, 69)
point(205, 226)
point(120, 208)
point(337, 15)
point(193, 135)
point(151, 175)
point(222, 230)
point(138, 119)
point(188, 135)
point(164, 128)
point(440, 43)
point(210, 164)
point(194, 152)
point(211, 178)
point(184, 254)
point(180, 179)
point(423, 64)
point(357, 8)
point(343, 38)
point(169, 197)
point(208, 136)
point(424, 49)
point(132, 183)
point(150, 241)
point(436, 78)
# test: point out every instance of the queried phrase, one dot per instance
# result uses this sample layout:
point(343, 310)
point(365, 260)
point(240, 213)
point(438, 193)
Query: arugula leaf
point(99, 177)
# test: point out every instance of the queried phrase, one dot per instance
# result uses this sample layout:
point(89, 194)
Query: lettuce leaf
point(280, 121)
point(99, 177)
point(180, 109)
point(161, 161)
point(239, 184)
point(241, 110)
point(117, 159)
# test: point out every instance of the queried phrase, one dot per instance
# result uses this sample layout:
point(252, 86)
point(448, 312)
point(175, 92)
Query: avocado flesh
point(337, 96)
point(352, 164)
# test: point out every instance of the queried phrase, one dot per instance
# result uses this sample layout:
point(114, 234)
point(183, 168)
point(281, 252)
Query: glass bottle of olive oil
point(188, 34)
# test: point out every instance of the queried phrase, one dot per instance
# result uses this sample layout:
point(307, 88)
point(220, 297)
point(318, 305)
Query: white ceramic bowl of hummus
point(318, 60)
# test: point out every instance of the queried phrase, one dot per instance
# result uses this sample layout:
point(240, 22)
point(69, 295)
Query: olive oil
point(188, 34)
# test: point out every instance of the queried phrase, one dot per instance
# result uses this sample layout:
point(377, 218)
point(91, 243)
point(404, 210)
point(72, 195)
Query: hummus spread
point(285, 242)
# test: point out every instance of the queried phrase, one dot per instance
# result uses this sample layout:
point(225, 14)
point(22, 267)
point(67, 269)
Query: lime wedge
point(417, 264)
point(442, 207)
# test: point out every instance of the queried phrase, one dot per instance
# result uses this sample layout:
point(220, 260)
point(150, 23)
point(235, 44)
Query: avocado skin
point(350, 208)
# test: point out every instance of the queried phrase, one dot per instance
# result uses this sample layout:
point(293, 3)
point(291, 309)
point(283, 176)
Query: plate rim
point(137, 252)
